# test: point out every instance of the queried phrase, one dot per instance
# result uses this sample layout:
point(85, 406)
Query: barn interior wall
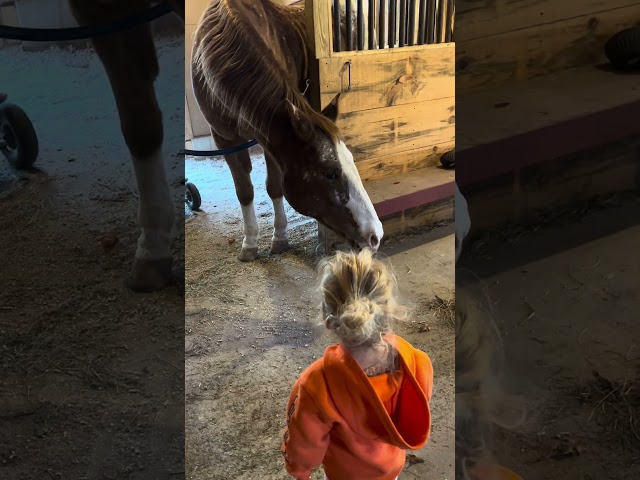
point(397, 107)
point(502, 41)
point(195, 124)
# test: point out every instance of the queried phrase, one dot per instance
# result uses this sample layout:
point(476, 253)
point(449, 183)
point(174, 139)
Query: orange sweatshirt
point(358, 428)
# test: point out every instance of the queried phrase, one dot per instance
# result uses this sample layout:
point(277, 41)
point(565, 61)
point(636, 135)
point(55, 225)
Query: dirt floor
point(251, 328)
point(569, 317)
point(92, 374)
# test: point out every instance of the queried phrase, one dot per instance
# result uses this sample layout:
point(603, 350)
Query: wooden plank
point(399, 192)
point(538, 190)
point(527, 53)
point(393, 77)
point(319, 28)
point(403, 162)
point(544, 101)
point(418, 217)
point(554, 116)
point(494, 18)
point(387, 131)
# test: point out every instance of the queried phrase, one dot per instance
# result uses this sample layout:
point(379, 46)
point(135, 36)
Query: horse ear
point(331, 110)
point(299, 121)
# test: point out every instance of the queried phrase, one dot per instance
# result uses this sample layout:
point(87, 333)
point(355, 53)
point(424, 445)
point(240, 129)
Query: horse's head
point(320, 178)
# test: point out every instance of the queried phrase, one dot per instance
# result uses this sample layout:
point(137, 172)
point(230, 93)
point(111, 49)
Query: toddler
point(366, 401)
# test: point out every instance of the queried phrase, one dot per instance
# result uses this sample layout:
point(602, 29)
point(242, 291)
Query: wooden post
point(319, 29)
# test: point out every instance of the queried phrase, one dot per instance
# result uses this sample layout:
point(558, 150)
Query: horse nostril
point(373, 241)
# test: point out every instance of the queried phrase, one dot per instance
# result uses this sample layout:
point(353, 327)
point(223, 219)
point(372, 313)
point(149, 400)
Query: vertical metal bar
point(349, 20)
point(403, 21)
point(449, 20)
point(382, 23)
point(360, 15)
point(442, 7)
point(431, 21)
point(337, 45)
point(372, 24)
point(412, 22)
point(422, 25)
point(392, 23)
point(438, 32)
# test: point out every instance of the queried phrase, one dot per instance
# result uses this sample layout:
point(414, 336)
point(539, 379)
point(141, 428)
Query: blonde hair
point(359, 297)
point(481, 399)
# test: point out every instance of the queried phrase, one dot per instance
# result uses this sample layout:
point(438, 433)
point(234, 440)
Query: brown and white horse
point(250, 67)
point(131, 63)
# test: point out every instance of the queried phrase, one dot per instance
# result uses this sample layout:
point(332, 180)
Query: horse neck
point(292, 47)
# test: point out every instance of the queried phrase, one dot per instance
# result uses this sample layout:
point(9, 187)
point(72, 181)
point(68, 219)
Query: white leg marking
point(155, 208)
point(250, 226)
point(280, 222)
point(462, 219)
point(359, 202)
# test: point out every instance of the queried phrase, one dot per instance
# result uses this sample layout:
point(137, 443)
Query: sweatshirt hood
point(357, 402)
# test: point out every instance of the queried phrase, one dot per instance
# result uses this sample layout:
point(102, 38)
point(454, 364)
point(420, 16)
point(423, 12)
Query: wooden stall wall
point(195, 124)
point(397, 108)
point(501, 41)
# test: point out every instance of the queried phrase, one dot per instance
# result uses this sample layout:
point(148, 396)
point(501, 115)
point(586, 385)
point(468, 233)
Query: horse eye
point(332, 175)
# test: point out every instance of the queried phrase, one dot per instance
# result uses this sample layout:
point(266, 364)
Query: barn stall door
point(396, 74)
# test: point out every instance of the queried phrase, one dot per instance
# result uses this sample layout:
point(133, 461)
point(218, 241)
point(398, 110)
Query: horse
point(249, 70)
point(131, 63)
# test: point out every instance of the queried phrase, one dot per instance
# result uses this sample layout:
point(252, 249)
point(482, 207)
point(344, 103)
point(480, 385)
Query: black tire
point(192, 197)
point(20, 146)
point(448, 160)
point(623, 49)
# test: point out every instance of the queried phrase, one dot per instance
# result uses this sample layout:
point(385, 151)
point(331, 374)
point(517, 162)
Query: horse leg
point(279, 242)
point(130, 61)
point(240, 166)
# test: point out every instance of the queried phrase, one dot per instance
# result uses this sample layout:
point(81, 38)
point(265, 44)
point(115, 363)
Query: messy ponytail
point(359, 296)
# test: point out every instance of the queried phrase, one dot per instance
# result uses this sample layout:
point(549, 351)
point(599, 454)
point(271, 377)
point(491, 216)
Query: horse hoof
point(150, 275)
point(279, 246)
point(248, 254)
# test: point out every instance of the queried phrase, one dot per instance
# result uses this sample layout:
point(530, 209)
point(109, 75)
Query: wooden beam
point(522, 54)
point(390, 130)
point(547, 144)
point(319, 28)
point(496, 18)
point(401, 192)
point(376, 168)
point(396, 77)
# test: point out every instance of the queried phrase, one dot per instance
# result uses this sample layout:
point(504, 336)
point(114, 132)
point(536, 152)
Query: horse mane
point(244, 68)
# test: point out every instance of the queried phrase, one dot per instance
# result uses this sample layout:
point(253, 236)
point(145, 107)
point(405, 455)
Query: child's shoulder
point(412, 355)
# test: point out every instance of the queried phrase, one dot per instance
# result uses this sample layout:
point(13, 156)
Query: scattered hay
point(443, 309)
point(616, 407)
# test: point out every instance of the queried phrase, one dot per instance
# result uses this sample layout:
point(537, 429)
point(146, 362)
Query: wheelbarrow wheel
point(18, 139)
point(192, 197)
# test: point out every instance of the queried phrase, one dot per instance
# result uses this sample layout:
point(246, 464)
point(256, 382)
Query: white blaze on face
point(463, 222)
point(359, 203)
